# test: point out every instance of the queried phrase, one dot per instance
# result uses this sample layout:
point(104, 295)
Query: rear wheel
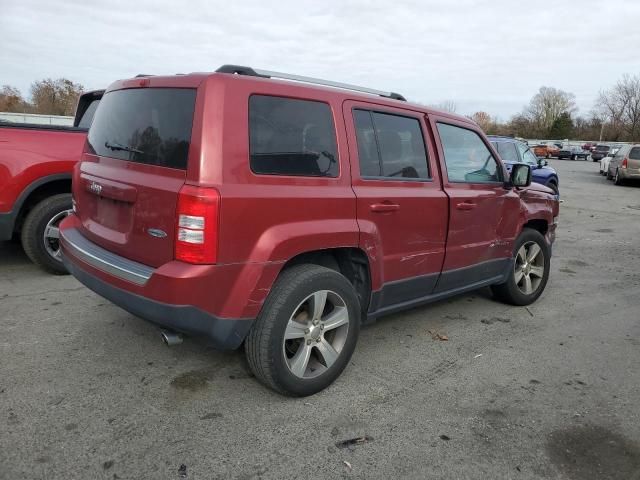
point(40, 234)
point(530, 272)
point(306, 332)
point(616, 179)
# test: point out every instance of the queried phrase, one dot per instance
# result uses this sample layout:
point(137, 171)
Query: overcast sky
point(484, 55)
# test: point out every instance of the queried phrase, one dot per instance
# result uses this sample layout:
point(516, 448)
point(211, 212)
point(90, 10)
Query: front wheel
point(554, 186)
point(530, 270)
point(306, 332)
point(40, 235)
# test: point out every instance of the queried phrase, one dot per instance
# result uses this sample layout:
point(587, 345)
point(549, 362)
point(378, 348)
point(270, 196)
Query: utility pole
point(601, 130)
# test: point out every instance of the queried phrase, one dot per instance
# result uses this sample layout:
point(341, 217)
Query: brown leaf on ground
point(438, 336)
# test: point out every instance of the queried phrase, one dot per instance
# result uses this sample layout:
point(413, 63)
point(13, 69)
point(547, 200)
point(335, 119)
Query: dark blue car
point(513, 151)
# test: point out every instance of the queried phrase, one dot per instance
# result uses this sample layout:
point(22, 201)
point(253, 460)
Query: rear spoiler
point(83, 104)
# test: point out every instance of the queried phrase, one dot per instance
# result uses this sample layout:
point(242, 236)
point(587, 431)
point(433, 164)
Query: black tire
point(264, 346)
point(554, 186)
point(609, 176)
point(32, 235)
point(509, 292)
point(616, 179)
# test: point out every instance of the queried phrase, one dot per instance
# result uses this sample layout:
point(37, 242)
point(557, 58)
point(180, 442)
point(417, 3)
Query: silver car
point(625, 164)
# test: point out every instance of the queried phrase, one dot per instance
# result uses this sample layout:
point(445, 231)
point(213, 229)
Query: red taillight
point(197, 232)
point(624, 163)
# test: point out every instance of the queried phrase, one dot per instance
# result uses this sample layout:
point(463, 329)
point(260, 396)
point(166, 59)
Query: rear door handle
point(466, 206)
point(384, 207)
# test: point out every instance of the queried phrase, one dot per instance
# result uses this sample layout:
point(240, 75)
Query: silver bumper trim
point(78, 246)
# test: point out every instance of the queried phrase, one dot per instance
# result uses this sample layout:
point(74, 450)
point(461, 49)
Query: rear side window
point(292, 137)
point(145, 125)
point(390, 146)
point(467, 157)
point(634, 153)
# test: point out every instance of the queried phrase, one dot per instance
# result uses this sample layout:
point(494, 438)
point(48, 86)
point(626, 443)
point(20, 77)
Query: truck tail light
point(625, 162)
point(197, 233)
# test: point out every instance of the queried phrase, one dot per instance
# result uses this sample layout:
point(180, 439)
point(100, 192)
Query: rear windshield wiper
point(123, 148)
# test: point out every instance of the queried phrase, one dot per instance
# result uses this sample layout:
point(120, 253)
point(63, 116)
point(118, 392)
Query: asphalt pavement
point(88, 391)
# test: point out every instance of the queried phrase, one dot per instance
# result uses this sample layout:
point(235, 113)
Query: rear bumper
point(223, 334)
point(176, 296)
point(629, 174)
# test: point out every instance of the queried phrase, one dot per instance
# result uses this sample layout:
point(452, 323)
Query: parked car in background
point(574, 153)
point(589, 146)
point(625, 164)
point(604, 163)
point(36, 162)
point(248, 208)
point(512, 151)
point(546, 150)
point(600, 152)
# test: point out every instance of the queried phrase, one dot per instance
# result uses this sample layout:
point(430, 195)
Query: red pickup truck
point(284, 213)
point(36, 162)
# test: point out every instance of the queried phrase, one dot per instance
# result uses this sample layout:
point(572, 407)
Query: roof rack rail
point(240, 70)
point(140, 75)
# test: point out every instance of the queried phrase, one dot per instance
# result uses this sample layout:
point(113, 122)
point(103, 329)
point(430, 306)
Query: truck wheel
point(40, 234)
point(530, 272)
point(306, 332)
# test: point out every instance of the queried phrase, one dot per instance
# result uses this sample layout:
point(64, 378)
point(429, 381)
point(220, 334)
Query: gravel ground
point(549, 391)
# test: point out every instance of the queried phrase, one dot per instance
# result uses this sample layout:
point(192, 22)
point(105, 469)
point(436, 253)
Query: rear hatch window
point(145, 125)
point(602, 148)
point(634, 154)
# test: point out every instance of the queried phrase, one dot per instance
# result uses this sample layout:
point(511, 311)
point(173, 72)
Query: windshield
point(145, 125)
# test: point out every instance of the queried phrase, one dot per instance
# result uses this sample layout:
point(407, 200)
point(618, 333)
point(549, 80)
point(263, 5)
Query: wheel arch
point(352, 262)
point(36, 192)
point(539, 224)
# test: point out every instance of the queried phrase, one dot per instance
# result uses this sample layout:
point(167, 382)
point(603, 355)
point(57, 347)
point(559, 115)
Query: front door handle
point(384, 207)
point(466, 206)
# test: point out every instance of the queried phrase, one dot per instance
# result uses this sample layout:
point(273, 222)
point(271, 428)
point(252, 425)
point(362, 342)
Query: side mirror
point(520, 175)
point(542, 162)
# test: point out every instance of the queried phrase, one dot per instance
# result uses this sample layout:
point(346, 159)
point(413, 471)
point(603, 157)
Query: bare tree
point(628, 89)
point(548, 105)
point(11, 100)
point(448, 106)
point(55, 97)
point(484, 121)
point(619, 106)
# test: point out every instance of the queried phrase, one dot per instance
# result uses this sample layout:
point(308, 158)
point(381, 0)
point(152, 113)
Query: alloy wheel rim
point(51, 236)
point(316, 334)
point(529, 268)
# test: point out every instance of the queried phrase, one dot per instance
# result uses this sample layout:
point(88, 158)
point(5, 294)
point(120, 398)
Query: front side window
point(390, 146)
point(466, 156)
point(292, 137)
point(529, 157)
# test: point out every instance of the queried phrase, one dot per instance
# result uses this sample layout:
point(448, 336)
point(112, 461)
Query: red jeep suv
point(283, 212)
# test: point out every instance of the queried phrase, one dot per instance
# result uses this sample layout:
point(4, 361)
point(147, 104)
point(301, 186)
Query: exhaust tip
point(170, 338)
